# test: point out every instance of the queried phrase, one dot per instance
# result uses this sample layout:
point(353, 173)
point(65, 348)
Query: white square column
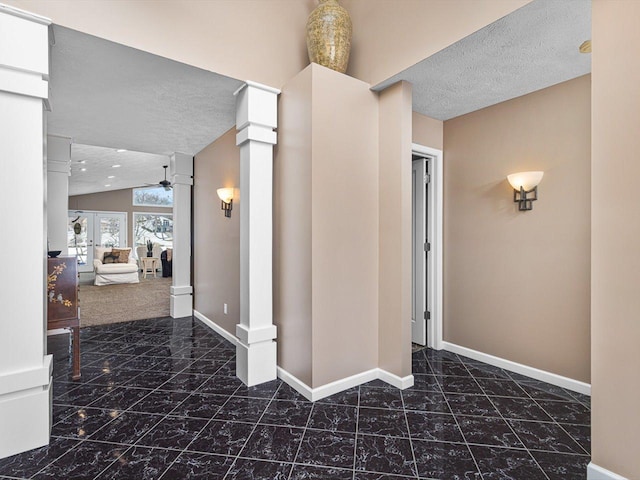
point(181, 302)
point(256, 119)
point(58, 172)
point(25, 368)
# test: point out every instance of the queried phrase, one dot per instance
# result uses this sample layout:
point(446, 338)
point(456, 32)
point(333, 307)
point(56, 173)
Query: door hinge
point(427, 315)
point(427, 246)
point(427, 178)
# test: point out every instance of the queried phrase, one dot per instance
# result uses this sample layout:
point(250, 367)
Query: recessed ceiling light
point(111, 176)
point(115, 166)
point(83, 169)
point(82, 161)
point(121, 150)
point(107, 185)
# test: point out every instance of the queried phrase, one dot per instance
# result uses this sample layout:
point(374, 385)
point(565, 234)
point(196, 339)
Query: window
point(157, 227)
point(153, 197)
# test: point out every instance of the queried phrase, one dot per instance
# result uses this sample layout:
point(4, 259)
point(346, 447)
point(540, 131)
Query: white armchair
point(113, 273)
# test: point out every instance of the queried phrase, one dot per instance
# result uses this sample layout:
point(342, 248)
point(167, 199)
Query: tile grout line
point(406, 422)
point(554, 421)
point(128, 409)
point(185, 449)
point(459, 428)
point(355, 438)
point(237, 456)
point(304, 433)
point(505, 421)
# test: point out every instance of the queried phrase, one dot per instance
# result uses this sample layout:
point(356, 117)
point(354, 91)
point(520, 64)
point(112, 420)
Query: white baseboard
point(216, 328)
point(323, 391)
point(314, 394)
point(58, 331)
point(396, 381)
point(552, 378)
point(594, 472)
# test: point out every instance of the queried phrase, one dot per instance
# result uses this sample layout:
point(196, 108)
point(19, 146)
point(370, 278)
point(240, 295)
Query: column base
point(181, 302)
point(256, 363)
point(25, 420)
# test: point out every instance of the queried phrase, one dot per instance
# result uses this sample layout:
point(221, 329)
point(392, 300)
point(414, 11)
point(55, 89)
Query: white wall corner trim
point(552, 378)
point(594, 472)
point(216, 328)
point(318, 393)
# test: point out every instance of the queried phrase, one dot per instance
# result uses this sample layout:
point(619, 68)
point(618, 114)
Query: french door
point(87, 230)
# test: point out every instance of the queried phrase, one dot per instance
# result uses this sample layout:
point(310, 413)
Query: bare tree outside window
point(156, 227)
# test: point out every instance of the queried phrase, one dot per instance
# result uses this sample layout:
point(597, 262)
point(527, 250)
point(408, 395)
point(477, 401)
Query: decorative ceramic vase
point(329, 35)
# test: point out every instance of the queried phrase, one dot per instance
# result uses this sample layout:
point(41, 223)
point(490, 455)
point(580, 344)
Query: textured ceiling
point(532, 48)
point(136, 169)
point(108, 95)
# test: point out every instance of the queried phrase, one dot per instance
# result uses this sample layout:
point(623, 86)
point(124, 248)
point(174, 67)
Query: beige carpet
point(122, 303)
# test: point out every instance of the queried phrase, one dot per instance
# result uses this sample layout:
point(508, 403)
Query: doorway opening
point(426, 285)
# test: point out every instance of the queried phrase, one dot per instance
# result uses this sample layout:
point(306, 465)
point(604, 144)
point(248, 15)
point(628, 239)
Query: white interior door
point(110, 229)
point(419, 252)
point(87, 230)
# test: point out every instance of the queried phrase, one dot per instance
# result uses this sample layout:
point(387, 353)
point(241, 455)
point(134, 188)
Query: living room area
point(122, 237)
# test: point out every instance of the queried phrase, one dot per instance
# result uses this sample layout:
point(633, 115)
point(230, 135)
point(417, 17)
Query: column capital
point(256, 104)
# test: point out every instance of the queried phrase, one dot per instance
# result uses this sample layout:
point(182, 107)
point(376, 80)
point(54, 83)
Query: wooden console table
point(62, 301)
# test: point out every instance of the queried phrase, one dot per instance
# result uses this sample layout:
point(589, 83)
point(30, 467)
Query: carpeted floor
point(122, 303)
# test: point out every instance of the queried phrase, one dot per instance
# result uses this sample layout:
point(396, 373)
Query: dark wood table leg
point(75, 331)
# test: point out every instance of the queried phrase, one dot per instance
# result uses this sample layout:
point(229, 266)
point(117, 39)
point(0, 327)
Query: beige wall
point(615, 253)
point(264, 41)
point(216, 239)
point(114, 201)
point(427, 131)
point(325, 262)
point(391, 35)
point(257, 40)
point(292, 287)
point(517, 284)
point(394, 277)
point(344, 226)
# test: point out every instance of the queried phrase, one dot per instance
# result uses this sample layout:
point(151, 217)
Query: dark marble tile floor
point(158, 399)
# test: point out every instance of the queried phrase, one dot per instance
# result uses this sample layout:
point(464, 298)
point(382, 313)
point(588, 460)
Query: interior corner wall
point(344, 226)
point(114, 201)
point(216, 238)
point(326, 227)
point(292, 228)
point(517, 283)
point(615, 229)
point(394, 203)
point(427, 131)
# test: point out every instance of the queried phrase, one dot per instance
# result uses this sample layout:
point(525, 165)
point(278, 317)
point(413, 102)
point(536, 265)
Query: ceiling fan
point(166, 184)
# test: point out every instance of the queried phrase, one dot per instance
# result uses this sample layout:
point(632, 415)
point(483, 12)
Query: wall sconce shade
point(525, 188)
point(226, 197)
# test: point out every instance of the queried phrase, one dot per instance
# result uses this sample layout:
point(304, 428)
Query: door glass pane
point(77, 239)
point(110, 231)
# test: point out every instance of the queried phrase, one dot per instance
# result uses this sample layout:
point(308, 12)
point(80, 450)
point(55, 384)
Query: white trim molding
point(594, 472)
point(323, 391)
point(552, 378)
point(318, 393)
point(216, 328)
point(435, 228)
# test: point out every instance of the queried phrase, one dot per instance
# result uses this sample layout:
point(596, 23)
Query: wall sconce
point(226, 196)
point(524, 184)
